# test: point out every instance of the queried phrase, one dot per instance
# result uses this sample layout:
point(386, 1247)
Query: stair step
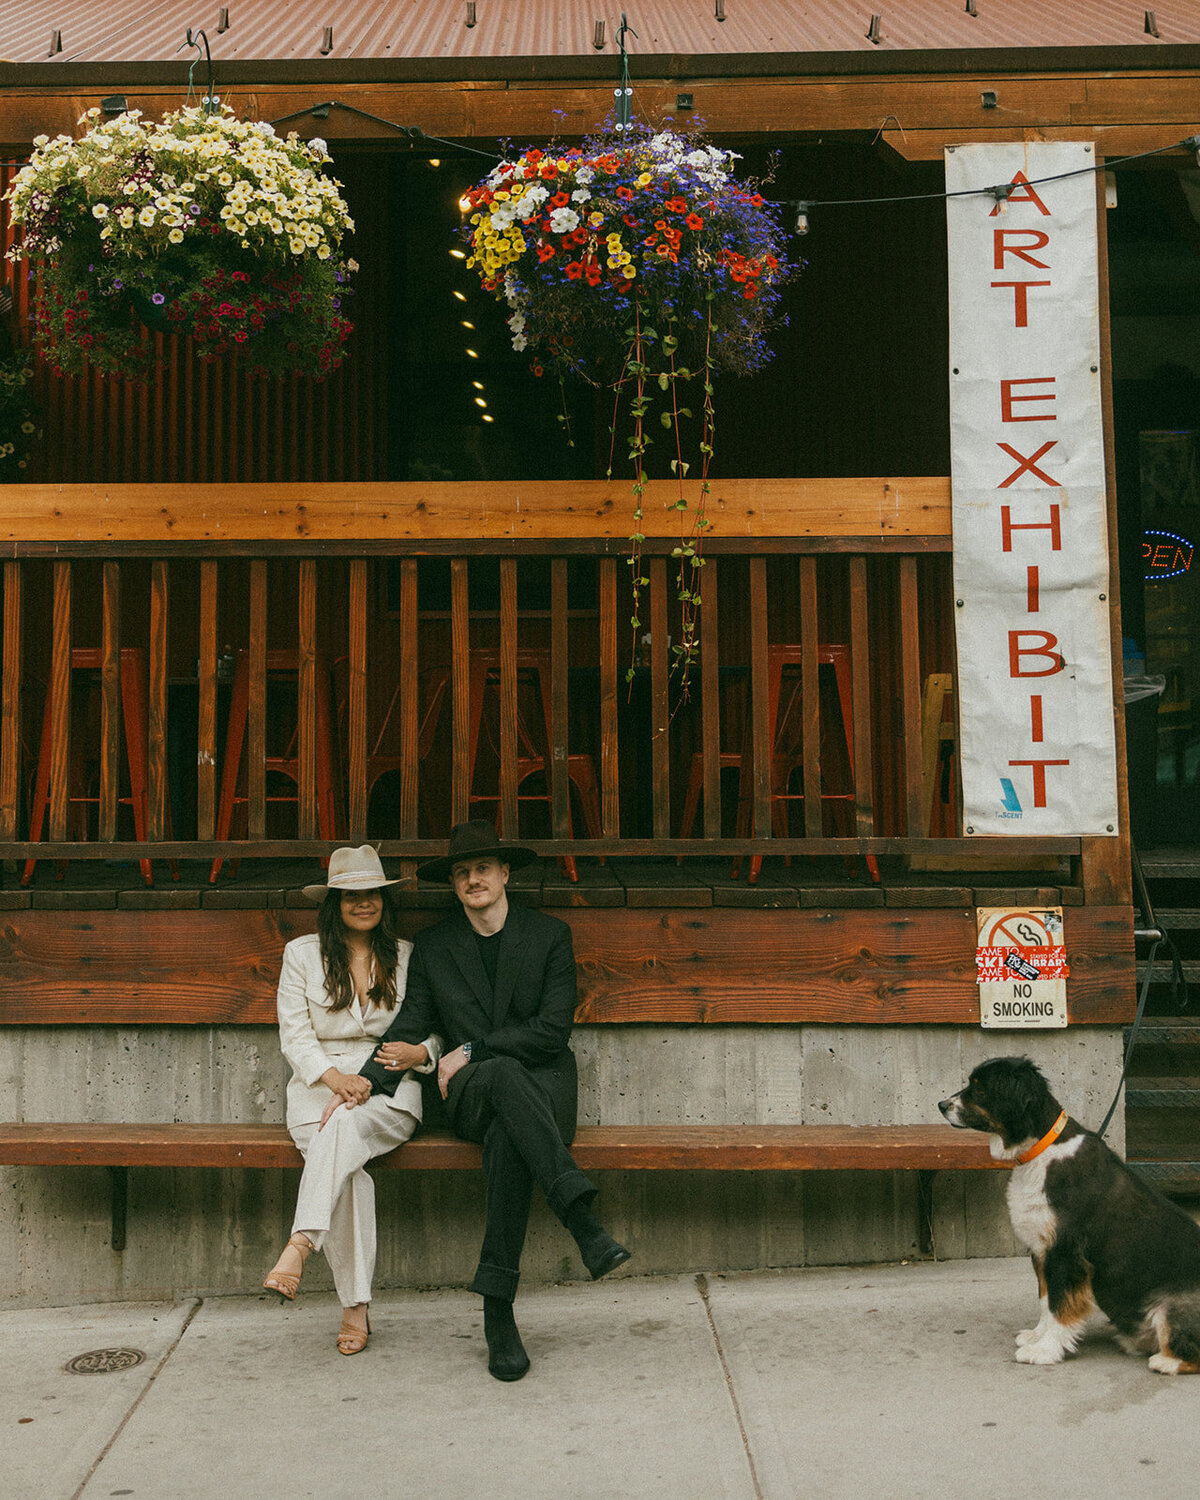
point(1168, 1031)
point(1172, 1176)
point(1170, 864)
point(1162, 1093)
point(1178, 918)
point(1164, 968)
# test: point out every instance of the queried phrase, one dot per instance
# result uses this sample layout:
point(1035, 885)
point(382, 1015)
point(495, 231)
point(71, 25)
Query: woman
point(340, 989)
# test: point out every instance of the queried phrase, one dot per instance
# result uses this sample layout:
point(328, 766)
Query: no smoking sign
point(1021, 968)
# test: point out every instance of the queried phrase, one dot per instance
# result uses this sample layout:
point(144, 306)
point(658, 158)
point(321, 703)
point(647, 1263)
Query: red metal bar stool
point(787, 740)
point(281, 665)
point(533, 672)
point(380, 762)
point(134, 717)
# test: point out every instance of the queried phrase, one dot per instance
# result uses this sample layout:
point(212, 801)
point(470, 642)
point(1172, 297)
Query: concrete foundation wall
point(211, 1231)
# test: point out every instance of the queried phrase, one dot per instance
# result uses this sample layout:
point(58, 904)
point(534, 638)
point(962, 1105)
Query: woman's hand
point(398, 1057)
point(349, 1088)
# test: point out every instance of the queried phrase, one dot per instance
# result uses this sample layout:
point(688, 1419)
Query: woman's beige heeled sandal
point(352, 1337)
point(287, 1282)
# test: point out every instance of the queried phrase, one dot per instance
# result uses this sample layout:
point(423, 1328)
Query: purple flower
point(117, 285)
point(158, 299)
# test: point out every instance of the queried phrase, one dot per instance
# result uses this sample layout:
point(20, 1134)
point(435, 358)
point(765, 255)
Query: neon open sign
point(1166, 555)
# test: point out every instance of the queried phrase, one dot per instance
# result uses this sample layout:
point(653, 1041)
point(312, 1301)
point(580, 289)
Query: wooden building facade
point(356, 609)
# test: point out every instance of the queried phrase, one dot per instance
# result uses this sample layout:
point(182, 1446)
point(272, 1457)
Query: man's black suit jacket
point(528, 1017)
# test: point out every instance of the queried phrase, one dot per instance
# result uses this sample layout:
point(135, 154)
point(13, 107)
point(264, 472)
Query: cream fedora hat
point(352, 870)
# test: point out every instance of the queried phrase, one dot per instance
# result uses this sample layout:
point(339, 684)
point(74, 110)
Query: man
point(497, 982)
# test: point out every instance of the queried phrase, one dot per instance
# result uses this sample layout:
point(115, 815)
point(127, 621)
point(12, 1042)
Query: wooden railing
point(402, 597)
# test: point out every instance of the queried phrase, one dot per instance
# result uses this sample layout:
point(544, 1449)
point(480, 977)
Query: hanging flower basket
point(200, 224)
point(636, 261)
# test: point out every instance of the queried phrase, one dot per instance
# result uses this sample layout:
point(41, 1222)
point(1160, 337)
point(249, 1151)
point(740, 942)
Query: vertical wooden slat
point(110, 699)
point(206, 684)
point(409, 699)
point(60, 701)
point(508, 697)
point(460, 679)
point(810, 698)
point(762, 732)
point(710, 708)
point(860, 681)
point(356, 698)
point(1105, 865)
point(560, 788)
point(306, 719)
point(660, 761)
point(156, 760)
point(910, 695)
point(610, 813)
point(10, 702)
point(256, 715)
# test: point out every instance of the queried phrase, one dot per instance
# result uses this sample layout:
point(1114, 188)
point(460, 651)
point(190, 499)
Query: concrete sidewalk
point(827, 1383)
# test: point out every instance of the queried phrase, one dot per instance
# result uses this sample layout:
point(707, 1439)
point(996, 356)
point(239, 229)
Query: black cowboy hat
point(477, 839)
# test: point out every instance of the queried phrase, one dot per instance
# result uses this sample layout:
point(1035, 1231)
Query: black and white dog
point(1101, 1239)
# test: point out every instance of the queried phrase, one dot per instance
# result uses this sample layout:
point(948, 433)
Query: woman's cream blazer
point(314, 1037)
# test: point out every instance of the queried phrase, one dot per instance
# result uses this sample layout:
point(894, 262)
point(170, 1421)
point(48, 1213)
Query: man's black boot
point(507, 1359)
point(601, 1253)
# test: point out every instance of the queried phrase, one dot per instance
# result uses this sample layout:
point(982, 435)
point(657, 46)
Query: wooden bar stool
point(533, 672)
point(280, 665)
point(380, 762)
point(134, 717)
point(787, 740)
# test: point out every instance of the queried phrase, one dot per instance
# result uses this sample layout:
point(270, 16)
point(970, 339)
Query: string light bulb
point(801, 218)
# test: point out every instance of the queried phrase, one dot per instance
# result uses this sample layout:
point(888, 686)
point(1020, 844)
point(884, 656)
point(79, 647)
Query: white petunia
point(564, 220)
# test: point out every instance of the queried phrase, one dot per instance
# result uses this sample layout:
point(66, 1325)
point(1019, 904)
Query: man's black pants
point(524, 1127)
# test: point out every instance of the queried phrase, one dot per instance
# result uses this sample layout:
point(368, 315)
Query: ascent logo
point(1011, 803)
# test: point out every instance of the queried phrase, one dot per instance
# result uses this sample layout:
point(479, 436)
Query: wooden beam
point(815, 966)
point(754, 104)
point(399, 513)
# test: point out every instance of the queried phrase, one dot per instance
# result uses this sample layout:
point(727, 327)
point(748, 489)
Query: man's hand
point(447, 1068)
point(398, 1057)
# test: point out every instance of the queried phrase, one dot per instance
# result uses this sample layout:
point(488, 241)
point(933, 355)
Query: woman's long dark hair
point(335, 955)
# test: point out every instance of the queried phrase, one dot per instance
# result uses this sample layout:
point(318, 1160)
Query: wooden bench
point(638, 1148)
point(660, 966)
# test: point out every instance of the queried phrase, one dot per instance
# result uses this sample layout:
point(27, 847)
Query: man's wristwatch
point(466, 1051)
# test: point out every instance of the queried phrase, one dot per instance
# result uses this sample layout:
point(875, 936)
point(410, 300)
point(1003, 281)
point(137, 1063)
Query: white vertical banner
point(1031, 586)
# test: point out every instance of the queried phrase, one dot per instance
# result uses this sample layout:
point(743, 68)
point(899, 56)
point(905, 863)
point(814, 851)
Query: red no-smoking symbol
point(1017, 929)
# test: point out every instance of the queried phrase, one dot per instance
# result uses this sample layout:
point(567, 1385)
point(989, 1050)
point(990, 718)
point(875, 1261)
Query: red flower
point(625, 193)
point(548, 169)
point(664, 251)
point(757, 200)
point(560, 200)
point(573, 269)
point(579, 236)
point(677, 205)
point(545, 252)
point(651, 239)
point(749, 292)
point(593, 275)
point(694, 221)
point(536, 368)
point(631, 222)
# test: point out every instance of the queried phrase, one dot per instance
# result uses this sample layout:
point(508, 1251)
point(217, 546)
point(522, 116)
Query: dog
point(1100, 1238)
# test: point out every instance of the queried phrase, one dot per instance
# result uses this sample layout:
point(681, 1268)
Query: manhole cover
point(104, 1361)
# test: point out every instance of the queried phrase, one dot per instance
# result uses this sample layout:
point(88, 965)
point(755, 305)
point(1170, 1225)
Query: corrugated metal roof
point(97, 31)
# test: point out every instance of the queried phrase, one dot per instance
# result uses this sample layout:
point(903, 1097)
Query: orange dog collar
point(1047, 1140)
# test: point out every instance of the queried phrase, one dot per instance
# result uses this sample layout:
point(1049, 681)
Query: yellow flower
point(644, 180)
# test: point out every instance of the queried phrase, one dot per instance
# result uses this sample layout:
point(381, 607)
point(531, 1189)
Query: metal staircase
point(1162, 1088)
